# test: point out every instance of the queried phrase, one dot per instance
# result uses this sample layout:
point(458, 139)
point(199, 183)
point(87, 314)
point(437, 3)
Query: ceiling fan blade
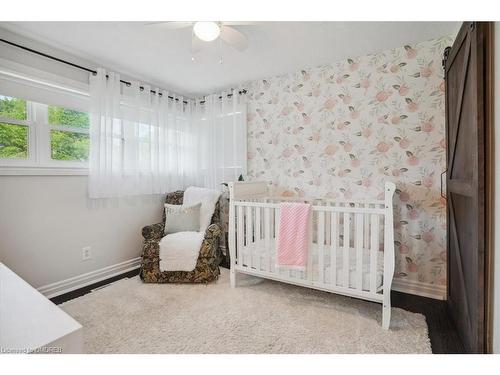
point(238, 23)
point(196, 44)
point(234, 38)
point(171, 25)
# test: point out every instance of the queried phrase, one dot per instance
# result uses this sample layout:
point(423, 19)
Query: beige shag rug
point(259, 316)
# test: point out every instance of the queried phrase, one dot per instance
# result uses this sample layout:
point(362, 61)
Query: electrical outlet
point(86, 253)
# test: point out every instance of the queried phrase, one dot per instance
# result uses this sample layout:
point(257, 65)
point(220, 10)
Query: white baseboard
point(77, 282)
point(80, 281)
point(419, 289)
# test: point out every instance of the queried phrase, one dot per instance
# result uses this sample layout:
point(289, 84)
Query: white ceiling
point(163, 56)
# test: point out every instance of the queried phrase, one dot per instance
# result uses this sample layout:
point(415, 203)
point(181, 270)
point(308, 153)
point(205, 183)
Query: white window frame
point(39, 160)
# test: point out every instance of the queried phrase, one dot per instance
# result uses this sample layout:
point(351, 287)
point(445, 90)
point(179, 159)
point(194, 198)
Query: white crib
point(345, 245)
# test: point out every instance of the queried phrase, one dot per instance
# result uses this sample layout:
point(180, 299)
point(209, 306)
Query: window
point(35, 135)
point(14, 128)
point(69, 138)
point(225, 143)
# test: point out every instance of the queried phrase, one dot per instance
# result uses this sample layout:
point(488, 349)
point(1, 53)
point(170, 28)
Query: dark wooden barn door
point(465, 75)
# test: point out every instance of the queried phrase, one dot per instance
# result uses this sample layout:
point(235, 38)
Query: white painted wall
point(46, 220)
point(496, 266)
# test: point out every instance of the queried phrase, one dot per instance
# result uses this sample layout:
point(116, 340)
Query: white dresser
point(30, 323)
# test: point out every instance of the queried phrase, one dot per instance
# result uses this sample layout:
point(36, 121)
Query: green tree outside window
point(13, 141)
point(69, 146)
point(68, 117)
point(13, 108)
point(13, 138)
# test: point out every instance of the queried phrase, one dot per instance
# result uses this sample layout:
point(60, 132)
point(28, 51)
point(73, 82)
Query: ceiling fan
point(208, 31)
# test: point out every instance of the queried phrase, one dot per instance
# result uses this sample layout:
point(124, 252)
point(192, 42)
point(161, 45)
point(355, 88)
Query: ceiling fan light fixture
point(206, 31)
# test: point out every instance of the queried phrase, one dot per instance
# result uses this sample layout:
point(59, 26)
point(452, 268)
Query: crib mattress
point(258, 249)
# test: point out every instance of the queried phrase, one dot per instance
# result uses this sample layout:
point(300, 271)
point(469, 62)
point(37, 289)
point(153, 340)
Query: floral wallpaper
point(341, 130)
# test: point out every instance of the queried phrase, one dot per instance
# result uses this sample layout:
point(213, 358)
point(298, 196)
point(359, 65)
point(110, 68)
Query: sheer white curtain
point(222, 122)
point(141, 143)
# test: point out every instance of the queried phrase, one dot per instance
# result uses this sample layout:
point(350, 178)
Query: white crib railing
point(344, 246)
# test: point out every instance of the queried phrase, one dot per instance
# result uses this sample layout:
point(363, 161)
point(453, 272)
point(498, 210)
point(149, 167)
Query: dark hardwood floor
point(442, 332)
point(87, 289)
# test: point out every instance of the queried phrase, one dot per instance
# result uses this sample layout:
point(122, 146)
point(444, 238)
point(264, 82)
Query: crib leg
point(386, 313)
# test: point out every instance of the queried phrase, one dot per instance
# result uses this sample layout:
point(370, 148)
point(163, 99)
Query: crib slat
point(276, 223)
point(334, 224)
point(359, 251)
point(374, 229)
point(267, 234)
point(347, 240)
point(276, 233)
point(240, 235)
point(328, 229)
point(309, 269)
point(248, 237)
point(366, 226)
point(321, 245)
point(257, 247)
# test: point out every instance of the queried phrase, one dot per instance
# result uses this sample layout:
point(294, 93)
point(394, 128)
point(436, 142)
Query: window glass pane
point(68, 117)
point(69, 145)
point(13, 108)
point(13, 141)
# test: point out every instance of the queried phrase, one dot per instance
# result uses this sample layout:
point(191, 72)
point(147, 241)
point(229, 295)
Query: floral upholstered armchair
point(207, 265)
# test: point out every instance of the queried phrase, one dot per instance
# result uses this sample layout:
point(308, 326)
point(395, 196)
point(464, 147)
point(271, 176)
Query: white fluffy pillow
point(208, 199)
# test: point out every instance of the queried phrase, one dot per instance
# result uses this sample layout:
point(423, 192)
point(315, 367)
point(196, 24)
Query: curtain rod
point(93, 71)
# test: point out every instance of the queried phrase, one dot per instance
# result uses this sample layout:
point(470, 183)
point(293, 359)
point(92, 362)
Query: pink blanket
point(293, 236)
